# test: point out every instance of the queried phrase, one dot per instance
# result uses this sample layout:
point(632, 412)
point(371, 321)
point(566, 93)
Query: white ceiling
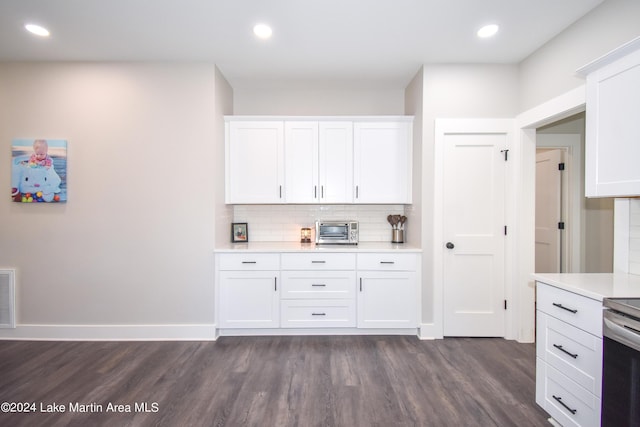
point(354, 42)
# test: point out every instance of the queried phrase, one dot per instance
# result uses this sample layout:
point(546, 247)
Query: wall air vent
point(7, 299)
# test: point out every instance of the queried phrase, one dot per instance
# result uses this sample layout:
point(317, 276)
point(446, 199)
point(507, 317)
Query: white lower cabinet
point(317, 290)
point(568, 356)
point(387, 291)
point(249, 298)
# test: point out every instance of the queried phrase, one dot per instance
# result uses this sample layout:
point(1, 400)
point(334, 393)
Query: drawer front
point(387, 261)
point(319, 261)
point(582, 312)
point(317, 313)
point(318, 284)
point(572, 351)
point(568, 403)
point(249, 261)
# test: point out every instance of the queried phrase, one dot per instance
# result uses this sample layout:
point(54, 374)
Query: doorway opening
point(581, 240)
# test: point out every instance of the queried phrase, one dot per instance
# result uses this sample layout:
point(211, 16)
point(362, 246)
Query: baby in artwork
point(40, 156)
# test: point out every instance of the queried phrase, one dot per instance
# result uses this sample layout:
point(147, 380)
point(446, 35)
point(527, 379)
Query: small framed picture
point(239, 232)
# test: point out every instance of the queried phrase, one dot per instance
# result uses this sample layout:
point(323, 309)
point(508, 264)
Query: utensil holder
point(397, 236)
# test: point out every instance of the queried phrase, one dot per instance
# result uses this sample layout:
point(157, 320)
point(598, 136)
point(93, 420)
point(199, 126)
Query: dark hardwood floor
point(273, 381)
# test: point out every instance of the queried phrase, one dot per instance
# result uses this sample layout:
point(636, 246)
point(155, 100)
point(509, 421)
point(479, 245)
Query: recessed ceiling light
point(488, 31)
point(37, 30)
point(262, 31)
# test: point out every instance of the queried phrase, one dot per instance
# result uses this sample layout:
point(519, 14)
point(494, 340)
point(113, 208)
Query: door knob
point(450, 245)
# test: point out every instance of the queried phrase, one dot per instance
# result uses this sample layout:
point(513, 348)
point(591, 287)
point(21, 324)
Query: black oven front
point(621, 363)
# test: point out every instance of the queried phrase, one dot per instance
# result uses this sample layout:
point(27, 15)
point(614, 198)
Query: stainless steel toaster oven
point(337, 232)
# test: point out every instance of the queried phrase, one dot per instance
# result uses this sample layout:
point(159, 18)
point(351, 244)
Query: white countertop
point(594, 285)
point(312, 247)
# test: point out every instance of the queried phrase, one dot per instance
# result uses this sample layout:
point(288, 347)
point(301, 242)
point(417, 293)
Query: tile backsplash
point(634, 236)
point(283, 222)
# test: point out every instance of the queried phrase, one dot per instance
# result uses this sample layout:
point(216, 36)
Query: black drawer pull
point(249, 262)
point(559, 399)
point(387, 262)
point(572, 310)
point(559, 347)
point(318, 314)
point(318, 262)
point(318, 284)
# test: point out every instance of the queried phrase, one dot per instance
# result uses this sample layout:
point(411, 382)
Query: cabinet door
point(387, 300)
point(249, 299)
point(254, 162)
point(336, 162)
point(301, 162)
point(382, 162)
point(612, 131)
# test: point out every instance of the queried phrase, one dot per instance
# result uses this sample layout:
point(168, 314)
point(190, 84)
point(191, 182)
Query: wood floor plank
point(275, 381)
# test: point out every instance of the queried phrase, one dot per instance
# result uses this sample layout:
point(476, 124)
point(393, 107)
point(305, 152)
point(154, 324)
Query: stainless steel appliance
point(337, 232)
point(621, 363)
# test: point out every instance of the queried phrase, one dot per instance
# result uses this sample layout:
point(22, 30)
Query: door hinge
point(505, 230)
point(506, 154)
point(560, 166)
point(505, 304)
point(561, 226)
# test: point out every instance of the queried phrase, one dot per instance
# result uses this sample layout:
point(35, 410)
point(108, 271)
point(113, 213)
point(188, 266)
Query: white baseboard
point(204, 332)
point(429, 331)
point(239, 332)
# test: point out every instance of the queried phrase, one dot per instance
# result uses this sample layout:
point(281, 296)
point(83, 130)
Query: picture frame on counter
point(239, 232)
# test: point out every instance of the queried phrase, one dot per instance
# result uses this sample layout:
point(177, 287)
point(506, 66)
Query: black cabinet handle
point(281, 191)
point(275, 284)
point(318, 262)
point(318, 284)
point(559, 399)
point(248, 262)
point(318, 314)
point(559, 347)
point(387, 262)
point(572, 310)
point(361, 284)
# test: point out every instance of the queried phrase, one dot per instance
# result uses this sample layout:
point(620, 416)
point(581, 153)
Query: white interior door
point(474, 233)
point(548, 211)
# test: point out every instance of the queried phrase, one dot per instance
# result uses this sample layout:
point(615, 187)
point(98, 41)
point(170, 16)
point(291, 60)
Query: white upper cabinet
point(301, 162)
point(254, 162)
point(612, 127)
point(382, 162)
point(318, 162)
point(321, 160)
point(336, 162)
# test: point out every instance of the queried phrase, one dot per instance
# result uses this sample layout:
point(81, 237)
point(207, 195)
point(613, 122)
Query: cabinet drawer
point(562, 397)
point(572, 351)
point(582, 312)
point(387, 261)
point(319, 261)
point(249, 261)
point(318, 284)
point(317, 313)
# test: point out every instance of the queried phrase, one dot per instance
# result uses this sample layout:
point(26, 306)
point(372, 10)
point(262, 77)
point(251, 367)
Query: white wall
point(224, 106)
point(414, 100)
point(550, 71)
point(318, 101)
point(634, 236)
point(460, 91)
point(133, 245)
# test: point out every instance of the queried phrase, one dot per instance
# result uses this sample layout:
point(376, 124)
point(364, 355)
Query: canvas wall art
point(39, 170)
